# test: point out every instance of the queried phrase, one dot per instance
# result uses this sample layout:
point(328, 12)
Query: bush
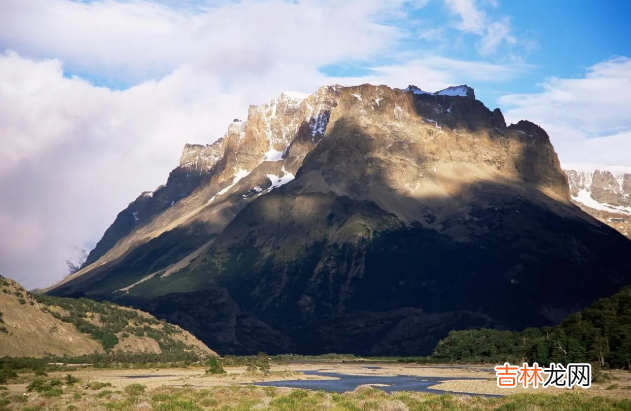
point(262, 363)
point(104, 393)
point(135, 389)
point(53, 392)
point(71, 379)
point(7, 374)
point(98, 385)
point(214, 367)
point(40, 385)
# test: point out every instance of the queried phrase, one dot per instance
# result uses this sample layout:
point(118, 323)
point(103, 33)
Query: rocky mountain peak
point(201, 158)
point(453, 91)
point(440, 131)
point(445, 135)
point(356, 213)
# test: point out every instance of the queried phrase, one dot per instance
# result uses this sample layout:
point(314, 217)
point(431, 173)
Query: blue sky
point(556, 38)
point(97, 98)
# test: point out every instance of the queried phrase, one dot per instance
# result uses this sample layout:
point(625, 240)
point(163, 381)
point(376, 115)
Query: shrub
point(262, 362)
point(71, 379)
point(98, 385)
point(135, 389)
point(53, 392)
point(214, 367)
point(104, 393)
point(7, 374)
point(37, 385)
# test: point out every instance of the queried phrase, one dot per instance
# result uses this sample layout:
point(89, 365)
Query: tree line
point(600, 334)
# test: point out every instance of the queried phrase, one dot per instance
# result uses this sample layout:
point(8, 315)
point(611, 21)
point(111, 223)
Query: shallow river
point(345, 382)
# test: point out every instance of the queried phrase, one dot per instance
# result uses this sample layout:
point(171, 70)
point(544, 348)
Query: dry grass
point(249, 397)
point(192, 390)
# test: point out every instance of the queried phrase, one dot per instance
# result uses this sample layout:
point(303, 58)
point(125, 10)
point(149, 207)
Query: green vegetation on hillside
point(126, 335)
point(3, 283)
point(109, 323)
point(3, 329)
point(600, 334)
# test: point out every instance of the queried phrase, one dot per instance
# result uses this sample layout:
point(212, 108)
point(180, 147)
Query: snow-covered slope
point(601, 190)
point(605, 194)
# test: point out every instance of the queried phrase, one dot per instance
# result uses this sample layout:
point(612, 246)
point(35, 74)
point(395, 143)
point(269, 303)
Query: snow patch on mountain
point(459, 91)
point(415, 90)
point(240, 174)
point(584, 197)
point(278, 181)
point(320, 121)
point(129, 287)
point(273, 155)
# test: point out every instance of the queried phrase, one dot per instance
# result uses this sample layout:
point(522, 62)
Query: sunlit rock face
point(360, 219)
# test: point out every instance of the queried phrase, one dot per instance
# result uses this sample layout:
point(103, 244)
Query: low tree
point(262, 363)
point(214, 367)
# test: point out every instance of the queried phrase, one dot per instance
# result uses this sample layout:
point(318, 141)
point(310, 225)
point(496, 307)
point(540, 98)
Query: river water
point(345, 382)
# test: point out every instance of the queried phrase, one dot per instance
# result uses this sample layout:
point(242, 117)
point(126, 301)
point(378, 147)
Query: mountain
point(364, 220)
point(605, 195)
point(35, 326)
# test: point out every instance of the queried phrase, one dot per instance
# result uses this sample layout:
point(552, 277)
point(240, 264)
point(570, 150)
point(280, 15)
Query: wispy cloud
point(473, 19)
point(587, 117)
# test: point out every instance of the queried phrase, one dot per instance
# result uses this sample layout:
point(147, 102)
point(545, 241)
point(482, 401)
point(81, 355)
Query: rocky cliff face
point(364, 219)
point(605, 195)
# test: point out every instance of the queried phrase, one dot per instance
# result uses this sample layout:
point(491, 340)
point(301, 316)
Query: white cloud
point(474, 20)
point(587, 118)
point(140, 38)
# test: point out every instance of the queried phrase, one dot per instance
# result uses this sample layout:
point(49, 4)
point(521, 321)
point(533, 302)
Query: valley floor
point(192, 389)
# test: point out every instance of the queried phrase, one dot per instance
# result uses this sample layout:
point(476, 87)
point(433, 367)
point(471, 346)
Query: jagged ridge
point(407, 210)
